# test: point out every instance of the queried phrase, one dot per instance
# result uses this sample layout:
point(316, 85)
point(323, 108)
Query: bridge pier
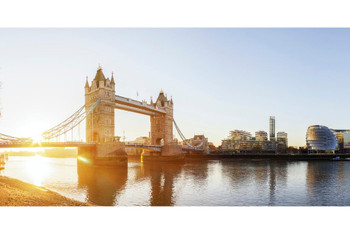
point(104, 154)
point(171, 152)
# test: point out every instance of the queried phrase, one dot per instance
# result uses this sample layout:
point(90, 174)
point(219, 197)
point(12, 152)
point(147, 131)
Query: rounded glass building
point(320, 139)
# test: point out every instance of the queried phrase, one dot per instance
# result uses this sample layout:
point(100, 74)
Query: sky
point(220, 79)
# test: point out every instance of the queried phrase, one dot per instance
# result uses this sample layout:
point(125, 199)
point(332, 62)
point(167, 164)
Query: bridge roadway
point(72, 144)
point(136, 106)
point(46, 144)
point(84, 144)
point(144, 146)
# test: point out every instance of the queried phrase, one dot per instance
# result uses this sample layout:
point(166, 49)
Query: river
point(197, 183)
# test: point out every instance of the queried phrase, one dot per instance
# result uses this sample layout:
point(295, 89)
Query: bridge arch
point(159, 141)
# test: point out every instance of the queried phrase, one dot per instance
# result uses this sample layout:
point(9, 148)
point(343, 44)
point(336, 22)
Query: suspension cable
point(71, 122)
point(184, 138)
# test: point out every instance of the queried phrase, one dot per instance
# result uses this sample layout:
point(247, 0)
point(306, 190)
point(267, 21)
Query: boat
point(340, 159)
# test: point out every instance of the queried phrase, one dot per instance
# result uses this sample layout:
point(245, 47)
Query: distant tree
point(292, 149)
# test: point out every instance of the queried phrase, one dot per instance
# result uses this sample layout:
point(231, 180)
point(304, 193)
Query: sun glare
point(37, 139)
point(38, 168)
point(83, 159)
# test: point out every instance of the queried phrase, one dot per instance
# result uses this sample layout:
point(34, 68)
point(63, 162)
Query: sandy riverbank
point(17, 193)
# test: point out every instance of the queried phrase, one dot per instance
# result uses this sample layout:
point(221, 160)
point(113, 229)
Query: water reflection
point(102, 184)
point(161, 177)
point(196, 183)
point(326, 183)
point(197, 171)
point(255, 182)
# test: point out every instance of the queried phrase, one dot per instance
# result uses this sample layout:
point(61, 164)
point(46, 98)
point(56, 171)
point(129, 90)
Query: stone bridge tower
point(100, 124)
point(162, 125)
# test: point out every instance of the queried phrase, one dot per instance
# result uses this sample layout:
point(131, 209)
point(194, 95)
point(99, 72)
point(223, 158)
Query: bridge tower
point(162, 125)
point(100, 124)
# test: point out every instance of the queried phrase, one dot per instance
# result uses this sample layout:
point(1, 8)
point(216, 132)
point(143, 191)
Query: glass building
point(343, 137)
point(320, 139)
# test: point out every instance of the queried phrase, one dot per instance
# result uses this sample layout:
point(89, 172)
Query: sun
point(37, 139)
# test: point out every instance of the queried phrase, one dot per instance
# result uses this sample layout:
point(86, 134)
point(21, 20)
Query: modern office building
point(272, 128)
point(320, 139)
point(261, 135)
point(242, 141)
point(282, 140)
point(249, 145)
point(282, 137)
point(343, 138)
point(240, 135)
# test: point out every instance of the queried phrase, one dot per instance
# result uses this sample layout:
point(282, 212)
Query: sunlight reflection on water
point(38, 168)
point(206, 183)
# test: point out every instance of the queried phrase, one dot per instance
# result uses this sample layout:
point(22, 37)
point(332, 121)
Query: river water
point(201, 183)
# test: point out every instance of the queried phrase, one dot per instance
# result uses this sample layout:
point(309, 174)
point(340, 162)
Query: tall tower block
point(162, 125)
point(272, 129)
point(100, 124)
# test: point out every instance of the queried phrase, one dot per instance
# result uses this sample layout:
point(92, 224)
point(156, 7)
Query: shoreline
point(15, 192)
point(286, 157)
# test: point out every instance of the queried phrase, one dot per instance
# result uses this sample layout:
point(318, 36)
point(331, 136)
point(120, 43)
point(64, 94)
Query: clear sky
point(220, 79)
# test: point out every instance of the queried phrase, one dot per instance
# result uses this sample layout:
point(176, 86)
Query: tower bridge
point(101, 145)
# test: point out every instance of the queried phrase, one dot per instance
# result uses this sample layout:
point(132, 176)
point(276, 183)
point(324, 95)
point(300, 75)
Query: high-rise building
point(272, 128)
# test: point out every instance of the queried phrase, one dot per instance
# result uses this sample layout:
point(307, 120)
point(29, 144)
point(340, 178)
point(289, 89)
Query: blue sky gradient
point(220, 79)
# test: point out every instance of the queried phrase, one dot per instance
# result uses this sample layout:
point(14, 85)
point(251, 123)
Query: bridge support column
point(104, 154)
point(171, 152)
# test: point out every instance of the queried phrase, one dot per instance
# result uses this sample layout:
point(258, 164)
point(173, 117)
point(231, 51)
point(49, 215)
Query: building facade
point(343, 138)
point(320, 139)
point(162, 125)
point(100, 124)
point(261, 135)
point(272, 128)
point(240, 135)
point(142, 141)
point(282, 139)
point(249, 145)
point(242, 141)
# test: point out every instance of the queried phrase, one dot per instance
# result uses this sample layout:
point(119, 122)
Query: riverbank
point(289, 157)
point(17, 193)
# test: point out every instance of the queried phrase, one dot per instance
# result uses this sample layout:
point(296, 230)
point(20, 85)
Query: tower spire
point(87, 82)
point(112, 79)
